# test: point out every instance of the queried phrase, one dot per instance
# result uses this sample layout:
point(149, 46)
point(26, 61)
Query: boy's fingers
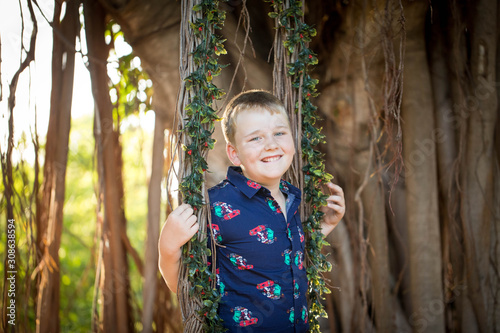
point(195, 227)
point(336, 198)
point(335, 188)
point(336, 207)
point(180, 209)
point(192, 220)
point(186, 211)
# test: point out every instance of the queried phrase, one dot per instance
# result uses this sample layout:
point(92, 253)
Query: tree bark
point(372, 194)
point(447, 152)
point(378, 255)
point(421, 179)
point(153, 229)
point(116, 308)
point(477, 178)
point(52, 202)
point(496, 166)
point(343, 291)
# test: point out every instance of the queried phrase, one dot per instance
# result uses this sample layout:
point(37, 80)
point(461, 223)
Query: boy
point(256, 222)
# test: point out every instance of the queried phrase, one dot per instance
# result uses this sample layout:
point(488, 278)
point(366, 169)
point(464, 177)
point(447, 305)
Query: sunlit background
point(34, 85)
point(31, 117)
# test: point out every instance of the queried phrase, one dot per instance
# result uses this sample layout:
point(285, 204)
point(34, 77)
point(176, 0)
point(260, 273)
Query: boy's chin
point(264, 179)
point(275, 172)
point(272, 177)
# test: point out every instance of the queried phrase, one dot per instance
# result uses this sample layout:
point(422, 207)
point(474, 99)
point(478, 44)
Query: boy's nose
point(271, 143)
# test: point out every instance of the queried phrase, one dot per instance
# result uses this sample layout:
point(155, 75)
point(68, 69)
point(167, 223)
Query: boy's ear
point(232, 154)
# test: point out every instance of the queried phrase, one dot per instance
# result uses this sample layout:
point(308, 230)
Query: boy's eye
point(280, 133)
point(254, 139)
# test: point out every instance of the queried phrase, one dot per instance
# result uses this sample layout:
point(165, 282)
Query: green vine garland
point(198, 126)
point(290, 18)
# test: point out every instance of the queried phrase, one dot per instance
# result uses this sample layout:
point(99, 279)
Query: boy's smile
point(263, 146)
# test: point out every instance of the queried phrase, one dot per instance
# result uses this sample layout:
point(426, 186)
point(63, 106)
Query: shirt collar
point(250, 188)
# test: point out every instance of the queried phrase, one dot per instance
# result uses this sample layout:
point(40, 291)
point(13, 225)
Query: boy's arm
point(334, 210)
point(180, 226)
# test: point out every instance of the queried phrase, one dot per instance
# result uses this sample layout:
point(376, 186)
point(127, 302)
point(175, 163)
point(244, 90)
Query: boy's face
point(263, 146)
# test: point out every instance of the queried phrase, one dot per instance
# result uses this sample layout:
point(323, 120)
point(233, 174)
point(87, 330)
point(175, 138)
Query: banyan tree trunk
point(153, 228)
point(419, 153)
point(116, 310)
point(478, 121)
point(50, 222)
point(446, 149)
point(378, 254)
point(153, 32)
point(351, 101)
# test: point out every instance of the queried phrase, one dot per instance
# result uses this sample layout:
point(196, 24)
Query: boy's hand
point(180, 226)
point(334, 210)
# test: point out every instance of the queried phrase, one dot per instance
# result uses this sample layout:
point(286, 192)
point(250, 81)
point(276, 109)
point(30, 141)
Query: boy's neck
point(273, 187)
point(279, 197)
point(275, 190)
point(276, 193)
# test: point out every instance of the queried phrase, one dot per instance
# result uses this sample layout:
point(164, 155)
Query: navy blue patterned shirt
point(260, 271)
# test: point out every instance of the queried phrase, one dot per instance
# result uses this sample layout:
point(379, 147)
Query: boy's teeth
point(271, 159)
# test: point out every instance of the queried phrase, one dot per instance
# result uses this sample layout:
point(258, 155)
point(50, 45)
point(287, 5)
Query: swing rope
point(294, 86)
point(200, 46)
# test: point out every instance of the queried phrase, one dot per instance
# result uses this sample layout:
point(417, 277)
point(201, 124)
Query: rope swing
point(200, 47)
point(294, 86)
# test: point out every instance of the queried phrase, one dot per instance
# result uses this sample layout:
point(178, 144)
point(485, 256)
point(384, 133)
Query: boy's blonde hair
point(248, 100)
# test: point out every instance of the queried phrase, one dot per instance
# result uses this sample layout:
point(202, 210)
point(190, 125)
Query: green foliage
point(299, 35)
point(136, 149)
point(77, 250)
point(23, 202)
point(131, 89)
point(199, 127)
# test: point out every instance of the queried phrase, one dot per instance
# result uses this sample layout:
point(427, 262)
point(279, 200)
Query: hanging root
point(195, 117)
